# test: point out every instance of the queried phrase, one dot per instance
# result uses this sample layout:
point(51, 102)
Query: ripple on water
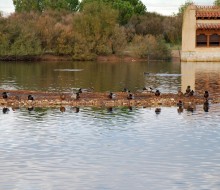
point(119, 148)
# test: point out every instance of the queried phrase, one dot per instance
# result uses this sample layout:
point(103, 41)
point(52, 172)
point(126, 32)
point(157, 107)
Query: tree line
point(87, 29)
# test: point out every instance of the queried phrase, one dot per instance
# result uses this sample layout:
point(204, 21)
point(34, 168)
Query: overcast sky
point(164, 7)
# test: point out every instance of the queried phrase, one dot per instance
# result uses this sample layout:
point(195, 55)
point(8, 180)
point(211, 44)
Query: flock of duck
point(130, 96)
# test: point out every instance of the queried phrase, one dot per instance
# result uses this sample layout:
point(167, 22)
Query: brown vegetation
point(88, 34)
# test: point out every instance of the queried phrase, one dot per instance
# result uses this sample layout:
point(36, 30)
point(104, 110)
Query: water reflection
point(55, 76)
point(122, 150)
point(201, 76)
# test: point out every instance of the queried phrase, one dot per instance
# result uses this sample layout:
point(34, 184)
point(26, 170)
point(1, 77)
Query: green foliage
point(84, 35)
point(42, 5)
point(184, 6)
point(126, 8)
point(94, 26)
point(217, 3)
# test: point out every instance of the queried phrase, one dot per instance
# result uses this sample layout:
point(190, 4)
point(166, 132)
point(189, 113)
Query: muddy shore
point(19, 98)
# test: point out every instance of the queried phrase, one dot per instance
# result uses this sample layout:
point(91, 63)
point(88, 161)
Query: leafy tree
point(126, 8)
point(94, 27)
point(217, 2)
point(184, 6)
point(42, 5)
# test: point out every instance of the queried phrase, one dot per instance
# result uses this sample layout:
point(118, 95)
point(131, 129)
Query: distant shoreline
point(107, 58)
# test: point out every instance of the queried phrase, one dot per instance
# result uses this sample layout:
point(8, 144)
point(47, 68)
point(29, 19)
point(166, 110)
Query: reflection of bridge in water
point(201, 76)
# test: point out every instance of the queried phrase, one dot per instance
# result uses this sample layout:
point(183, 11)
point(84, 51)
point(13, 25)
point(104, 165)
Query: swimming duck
point(4, 95)
point(5, 110)
point(75, 109)
point(157, 110)
point(206, 94)
point(157, 93)
point(62, 109)
point(30, 97)
point(112, 95)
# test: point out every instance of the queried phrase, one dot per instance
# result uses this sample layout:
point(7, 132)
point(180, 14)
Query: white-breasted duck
point(30, 97)
point(112, 95)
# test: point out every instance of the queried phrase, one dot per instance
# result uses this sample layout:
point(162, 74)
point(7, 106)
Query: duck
point(180, 103)
point(191, 93)
point(130, 96)
point(206, 94)
point(62, 109)
point(157, 110)
point(30, 97)
point(5, 110)
point(188, 89)
point(112, 95)
point(5, 95)
point(75, 96)
point(75, 109)
point(157, 93)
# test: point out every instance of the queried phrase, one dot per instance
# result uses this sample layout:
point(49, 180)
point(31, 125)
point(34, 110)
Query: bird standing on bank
point(4, 95)
point(157, 93)
point(206, 94)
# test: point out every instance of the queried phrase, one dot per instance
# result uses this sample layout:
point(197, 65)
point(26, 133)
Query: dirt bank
point(19, 98)
point(108, 58)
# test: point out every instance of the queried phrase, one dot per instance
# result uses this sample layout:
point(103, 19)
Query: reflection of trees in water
point(207, 81)
point(102, 76)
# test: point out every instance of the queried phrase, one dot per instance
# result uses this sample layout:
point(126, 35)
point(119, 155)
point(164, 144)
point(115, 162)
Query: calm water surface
point(119, 148)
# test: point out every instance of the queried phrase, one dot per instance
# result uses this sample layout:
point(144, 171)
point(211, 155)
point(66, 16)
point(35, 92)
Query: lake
point(110, 148)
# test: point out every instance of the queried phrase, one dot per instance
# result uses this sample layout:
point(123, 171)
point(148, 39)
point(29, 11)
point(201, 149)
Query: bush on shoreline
point(84, 35)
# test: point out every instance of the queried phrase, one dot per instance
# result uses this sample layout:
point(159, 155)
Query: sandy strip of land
point(19, 98)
